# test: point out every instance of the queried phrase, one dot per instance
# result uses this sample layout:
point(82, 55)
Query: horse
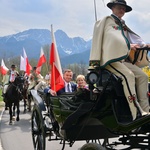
point(25, 94)
point(13, 97)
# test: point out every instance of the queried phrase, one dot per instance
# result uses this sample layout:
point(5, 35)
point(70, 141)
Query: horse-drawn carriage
point(95, 115)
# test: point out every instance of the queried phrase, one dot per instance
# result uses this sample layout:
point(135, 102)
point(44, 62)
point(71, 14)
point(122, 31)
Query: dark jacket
point(73, 86)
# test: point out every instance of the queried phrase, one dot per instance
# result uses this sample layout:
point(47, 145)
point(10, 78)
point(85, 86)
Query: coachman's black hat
point(119, 2)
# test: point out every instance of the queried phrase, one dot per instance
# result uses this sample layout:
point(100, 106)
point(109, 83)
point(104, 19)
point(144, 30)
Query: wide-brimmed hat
point(119, 2)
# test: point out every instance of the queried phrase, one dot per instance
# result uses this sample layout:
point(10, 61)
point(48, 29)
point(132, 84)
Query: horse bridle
point(17, 86)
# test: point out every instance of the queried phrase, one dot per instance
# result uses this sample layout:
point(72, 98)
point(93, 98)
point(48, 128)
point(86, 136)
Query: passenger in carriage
point(69, 86)
point(81, 83)
point(112, 42)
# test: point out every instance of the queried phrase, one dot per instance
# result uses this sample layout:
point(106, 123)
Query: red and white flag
point(22, 64)
point(28, 66)
point(57, 81)
point(3, 68)
point(41, 61)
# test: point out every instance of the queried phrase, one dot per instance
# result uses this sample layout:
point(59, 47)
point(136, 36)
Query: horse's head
point(19, 82)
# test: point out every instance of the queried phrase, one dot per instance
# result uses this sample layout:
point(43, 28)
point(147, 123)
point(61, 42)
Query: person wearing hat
point(9, 78)
point(13, 73)
point(111, 45)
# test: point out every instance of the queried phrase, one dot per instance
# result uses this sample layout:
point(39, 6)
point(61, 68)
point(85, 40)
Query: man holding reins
point(111, 45)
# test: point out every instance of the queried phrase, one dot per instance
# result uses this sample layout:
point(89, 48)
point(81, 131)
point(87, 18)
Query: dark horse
point(14, 95)
point(25, 94)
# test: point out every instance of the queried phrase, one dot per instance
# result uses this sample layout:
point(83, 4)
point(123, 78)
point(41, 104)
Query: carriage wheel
point(100, 142)
point(92, 146)
point(38, 129)
point(54, 123)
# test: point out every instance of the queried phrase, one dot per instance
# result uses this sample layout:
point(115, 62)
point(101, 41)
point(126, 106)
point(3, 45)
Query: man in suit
point(69, 86)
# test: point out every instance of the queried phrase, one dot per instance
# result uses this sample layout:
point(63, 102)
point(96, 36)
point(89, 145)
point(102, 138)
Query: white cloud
point(75, 17)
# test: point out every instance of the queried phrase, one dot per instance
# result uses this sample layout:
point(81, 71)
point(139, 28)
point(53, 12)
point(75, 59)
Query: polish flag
point(28, 66)
point(3, 68)
point(41, 61)
point(57, 81)
point(22, 64)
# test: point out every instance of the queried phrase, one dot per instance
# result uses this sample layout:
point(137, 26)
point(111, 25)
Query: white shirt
point(134, 39)
point(66, 87)
point(12, 76)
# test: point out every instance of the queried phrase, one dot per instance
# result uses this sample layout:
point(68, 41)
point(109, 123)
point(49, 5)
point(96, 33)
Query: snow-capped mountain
point(33, 39)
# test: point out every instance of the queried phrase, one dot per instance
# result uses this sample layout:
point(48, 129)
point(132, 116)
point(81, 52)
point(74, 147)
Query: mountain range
point(71, 50)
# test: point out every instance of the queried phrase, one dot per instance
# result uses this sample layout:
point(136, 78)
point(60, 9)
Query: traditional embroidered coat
point(105, 48)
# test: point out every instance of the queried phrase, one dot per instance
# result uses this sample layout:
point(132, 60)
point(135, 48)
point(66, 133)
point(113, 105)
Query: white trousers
point(133, 78)
point(141, 82)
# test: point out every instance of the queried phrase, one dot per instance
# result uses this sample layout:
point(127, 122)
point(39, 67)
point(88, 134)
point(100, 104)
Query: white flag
point(22, 64)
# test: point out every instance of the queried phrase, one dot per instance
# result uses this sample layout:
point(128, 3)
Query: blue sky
point(75, 17)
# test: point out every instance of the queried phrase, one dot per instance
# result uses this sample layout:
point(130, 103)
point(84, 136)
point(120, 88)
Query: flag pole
point(53, 69)
point(57, 81)
point(54, 78)
point(47, 70)
point(95, 10)
point(46, 66)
